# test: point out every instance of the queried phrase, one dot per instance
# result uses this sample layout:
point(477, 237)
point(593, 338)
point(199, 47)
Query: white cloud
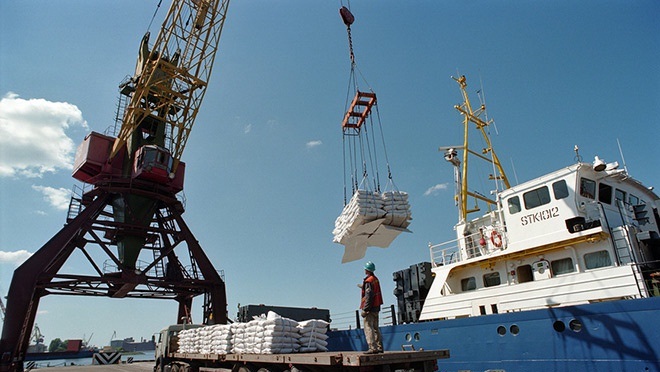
point(315, 143)
point(434, 190)
point(32, 136)
point(58, 198)
point(17, 257)
point(247, 128)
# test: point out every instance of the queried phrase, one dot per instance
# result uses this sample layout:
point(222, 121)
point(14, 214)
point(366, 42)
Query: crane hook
point(346, 16)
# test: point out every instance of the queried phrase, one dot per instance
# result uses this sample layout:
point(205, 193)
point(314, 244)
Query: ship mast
point(470, 115)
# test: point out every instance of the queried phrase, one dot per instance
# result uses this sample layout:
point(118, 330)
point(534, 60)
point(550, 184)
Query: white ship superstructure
point(581, 234)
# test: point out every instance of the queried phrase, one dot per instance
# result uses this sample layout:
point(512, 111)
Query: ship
point(75, 349)
point(558, 273)
point(130, 345)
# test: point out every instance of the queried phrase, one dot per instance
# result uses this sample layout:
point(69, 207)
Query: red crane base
point(92, 233)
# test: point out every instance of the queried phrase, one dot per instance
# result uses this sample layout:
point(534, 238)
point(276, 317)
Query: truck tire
point(245, 368)
point(271, 369)
point(159, 365)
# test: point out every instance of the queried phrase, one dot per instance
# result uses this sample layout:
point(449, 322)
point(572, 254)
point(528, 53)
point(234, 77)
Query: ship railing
point(445, 253)
point(649, 283)
point(353, 319)
point(469, 246)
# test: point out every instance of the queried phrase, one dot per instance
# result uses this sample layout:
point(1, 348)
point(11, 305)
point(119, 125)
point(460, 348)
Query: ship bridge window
point(604, 193)
point(633, 200)
point(587, 188)
point(514, 204)
point(492, 279)
point(536, 197)
point(620, 195)
point(560, 189)
point(597, 259)
point(562, 266)
point(468, 284)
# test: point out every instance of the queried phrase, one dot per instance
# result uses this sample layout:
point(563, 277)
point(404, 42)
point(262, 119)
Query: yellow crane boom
point(172, 77)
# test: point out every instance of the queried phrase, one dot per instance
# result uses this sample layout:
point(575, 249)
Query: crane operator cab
point(154, 163)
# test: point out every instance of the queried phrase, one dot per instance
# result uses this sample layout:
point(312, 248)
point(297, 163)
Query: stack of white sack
point(397, 209)
point(365, 206)
point(239, 341)
point(217, 339)
point(188, 341)
point(313, 335)
point(270, 334)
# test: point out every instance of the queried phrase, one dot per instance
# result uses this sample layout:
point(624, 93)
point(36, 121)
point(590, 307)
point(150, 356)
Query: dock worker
point(372, 298)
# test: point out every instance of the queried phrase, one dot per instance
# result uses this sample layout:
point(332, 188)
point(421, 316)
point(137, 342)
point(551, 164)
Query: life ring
point(496, 239)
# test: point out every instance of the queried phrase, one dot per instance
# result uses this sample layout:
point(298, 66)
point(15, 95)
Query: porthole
point(559, 326)
point(501, 330)
point(514, 329)
point(408, 337)
point(416, 336)
point(575, 325)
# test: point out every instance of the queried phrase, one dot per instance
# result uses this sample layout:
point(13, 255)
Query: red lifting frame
point(359, 110)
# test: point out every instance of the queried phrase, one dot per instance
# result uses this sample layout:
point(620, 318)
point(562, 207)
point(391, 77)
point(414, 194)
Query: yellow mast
point(469, 115)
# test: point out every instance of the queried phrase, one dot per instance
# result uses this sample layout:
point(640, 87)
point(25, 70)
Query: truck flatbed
point(328, 358)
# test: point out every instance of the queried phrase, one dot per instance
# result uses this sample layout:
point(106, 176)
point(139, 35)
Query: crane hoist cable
point(154, 16)
point(358, 127)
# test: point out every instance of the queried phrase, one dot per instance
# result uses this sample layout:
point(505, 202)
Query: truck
point(169, 359)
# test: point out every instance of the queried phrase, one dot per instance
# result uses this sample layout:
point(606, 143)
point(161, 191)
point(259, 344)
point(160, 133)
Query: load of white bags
point(215, 339)
point(313, 335)
point(266, 334)
point(371, 219)
point(397, 209)
point(269, 334)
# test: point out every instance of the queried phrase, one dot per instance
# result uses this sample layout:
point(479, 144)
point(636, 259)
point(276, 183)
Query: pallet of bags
point(397, 209)
point(365, 206)
point(252, 338)
point(238, 338)
point(313, 335)
point(278, 335)
point(187, 341)
point(204, 340)
point(371, 219)
point(396, 220)
point(220, 337)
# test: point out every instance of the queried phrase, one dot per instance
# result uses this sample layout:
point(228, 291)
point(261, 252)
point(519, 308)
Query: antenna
point(578, 158)
point(622, 158)
point(515, 175)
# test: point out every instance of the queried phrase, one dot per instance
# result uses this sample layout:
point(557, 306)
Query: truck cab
point(168, 343)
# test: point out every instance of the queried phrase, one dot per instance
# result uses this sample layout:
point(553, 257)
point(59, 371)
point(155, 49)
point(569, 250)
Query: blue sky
point(264, 175)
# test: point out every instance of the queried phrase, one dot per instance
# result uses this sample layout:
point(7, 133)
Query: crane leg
point(25, 289)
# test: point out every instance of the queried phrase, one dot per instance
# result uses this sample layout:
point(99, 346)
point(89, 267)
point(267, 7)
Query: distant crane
point(129, 214)
point(37, 336)
point(87, 341)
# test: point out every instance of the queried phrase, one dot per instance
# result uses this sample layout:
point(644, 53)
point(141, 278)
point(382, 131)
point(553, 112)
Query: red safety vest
point(377, 296)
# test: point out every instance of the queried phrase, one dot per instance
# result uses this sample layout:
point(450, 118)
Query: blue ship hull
point(609, 336)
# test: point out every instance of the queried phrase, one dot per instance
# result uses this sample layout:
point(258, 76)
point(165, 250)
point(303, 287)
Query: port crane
point(127, 221)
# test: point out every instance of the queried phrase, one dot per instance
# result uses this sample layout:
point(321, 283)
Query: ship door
point(524, 273)
point(541, 270)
